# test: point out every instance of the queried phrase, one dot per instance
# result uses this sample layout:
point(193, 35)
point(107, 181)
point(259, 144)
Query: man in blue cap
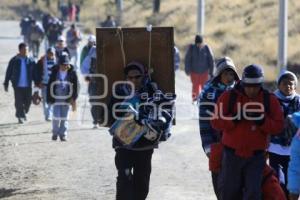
point(246, 115)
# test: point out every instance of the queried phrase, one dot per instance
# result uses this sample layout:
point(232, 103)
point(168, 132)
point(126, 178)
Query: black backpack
point(233, 97)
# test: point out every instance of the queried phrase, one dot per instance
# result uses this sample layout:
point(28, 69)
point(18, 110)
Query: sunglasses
point(134, 77)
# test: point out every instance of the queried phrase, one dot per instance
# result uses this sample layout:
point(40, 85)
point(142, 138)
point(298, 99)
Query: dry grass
point(245, 30)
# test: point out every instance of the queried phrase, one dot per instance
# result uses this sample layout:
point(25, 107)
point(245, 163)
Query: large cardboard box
point(117, 47)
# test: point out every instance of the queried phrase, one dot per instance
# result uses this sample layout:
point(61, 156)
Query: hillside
point(245, 30)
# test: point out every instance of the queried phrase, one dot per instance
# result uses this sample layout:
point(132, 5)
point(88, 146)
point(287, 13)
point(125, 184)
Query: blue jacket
point(294, 169)
point(289, 106)
point(211, 92)
point(14, 69)
point(199, 60)
point(143, 114)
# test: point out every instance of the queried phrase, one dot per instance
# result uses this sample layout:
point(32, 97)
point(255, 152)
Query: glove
point(5, 87)
point(257, 117)
point(87, 79)
point(73, 105)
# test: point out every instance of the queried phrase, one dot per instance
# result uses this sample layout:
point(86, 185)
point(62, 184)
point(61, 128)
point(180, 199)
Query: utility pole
point(282, 35)
point(120, 7)
point(156, 6)
point(201, 16)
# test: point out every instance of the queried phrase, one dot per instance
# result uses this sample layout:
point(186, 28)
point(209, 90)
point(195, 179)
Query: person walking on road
point(246, 115)
point(61, 48)
point(25, 27)
point(199, 65)
point(62, 91)
point(21, 71)
point(109, 22)
point(86, 49)
point(73, 39)
point(88, 70)
point(44, 67)
point(280, 145)
point(224, 79)
point(36, 35)
point(133, 161)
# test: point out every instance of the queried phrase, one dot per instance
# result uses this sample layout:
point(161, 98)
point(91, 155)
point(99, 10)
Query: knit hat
point(198, 39)
point(223, 64)
point(134, 65)
point(289, 75)
point(64, 59)
point(92, 38)
point(253, 75)
point(51, 50)
point(61, 38)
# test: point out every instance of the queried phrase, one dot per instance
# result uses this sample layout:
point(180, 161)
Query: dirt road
point(34, 167)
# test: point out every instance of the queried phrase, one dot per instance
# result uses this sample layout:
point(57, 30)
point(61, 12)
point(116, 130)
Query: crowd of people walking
point(250, 135)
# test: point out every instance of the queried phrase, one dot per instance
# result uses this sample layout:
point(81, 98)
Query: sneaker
point(54, 137)
point(48, 119)
point(95, 126)
point(20, 121)
point(63, 139)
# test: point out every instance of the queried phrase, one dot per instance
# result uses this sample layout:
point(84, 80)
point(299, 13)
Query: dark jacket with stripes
point(210, 94)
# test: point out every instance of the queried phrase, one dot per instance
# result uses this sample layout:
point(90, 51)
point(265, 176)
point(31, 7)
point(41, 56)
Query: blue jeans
point(60, 119)
point(74, 57)
point(48, 111)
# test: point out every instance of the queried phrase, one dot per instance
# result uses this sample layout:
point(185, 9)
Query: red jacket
point(271, 188)
point(245, 136)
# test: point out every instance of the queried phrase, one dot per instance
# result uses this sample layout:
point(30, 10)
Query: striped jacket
point(210, 94)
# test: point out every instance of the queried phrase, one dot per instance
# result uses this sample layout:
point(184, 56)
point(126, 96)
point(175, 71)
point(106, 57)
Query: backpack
point(289, 127)
point(293, 105)
point(233, 97)
point(36, 34)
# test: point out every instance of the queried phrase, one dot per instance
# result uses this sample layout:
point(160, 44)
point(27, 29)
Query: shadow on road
point(22, 134)
point(4, 193)
point(7, 125)
point(9, 38)
point(48, 132)
point(7, 192)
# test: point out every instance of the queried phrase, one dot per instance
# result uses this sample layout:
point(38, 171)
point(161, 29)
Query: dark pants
point(22, 101)
point(134, 168)
point(35, 48)
point(97, 114)
point(215, 181)
point(241, 177)
point(96, 110)
point(279, 162)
